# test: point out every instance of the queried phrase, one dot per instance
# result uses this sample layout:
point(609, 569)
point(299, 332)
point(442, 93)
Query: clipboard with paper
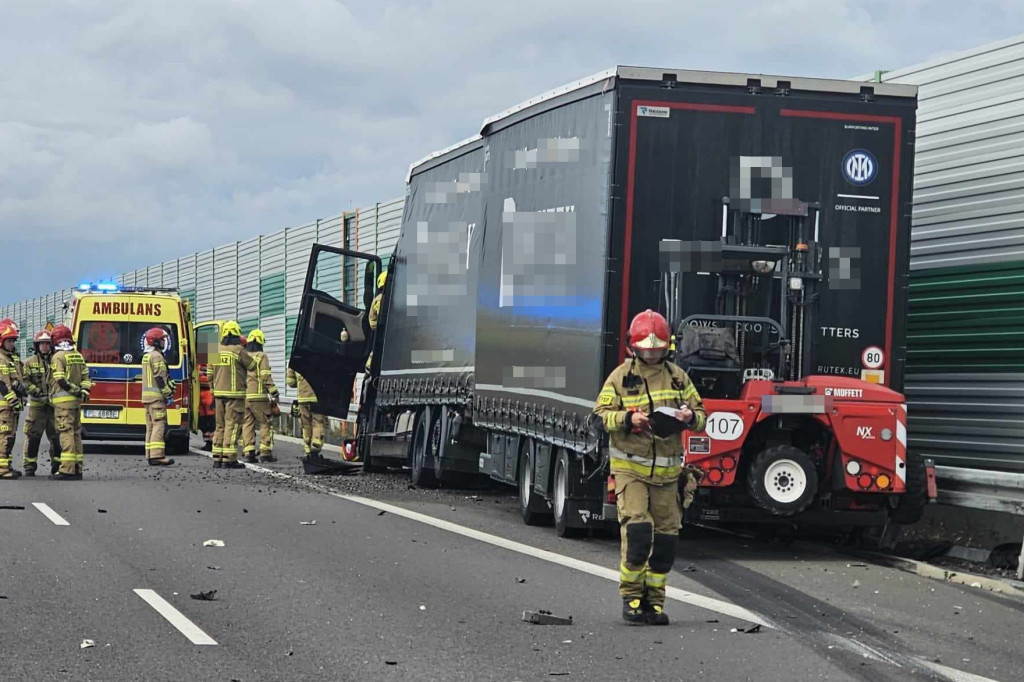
point(664, 423)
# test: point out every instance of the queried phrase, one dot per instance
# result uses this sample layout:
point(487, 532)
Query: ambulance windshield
point(122, 343)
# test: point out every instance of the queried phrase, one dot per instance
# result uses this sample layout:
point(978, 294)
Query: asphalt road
point(393, 583)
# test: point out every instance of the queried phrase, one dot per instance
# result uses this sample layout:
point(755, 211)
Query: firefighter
point(647, 468)
point(228, 381)
point(157, 392)
point(69, 385)
point(207, 415)
point(261, 397)
point(40, 419)
point(11, 392)
point(313, 424)
point(375, 311)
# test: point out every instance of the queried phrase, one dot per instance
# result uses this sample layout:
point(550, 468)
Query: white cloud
point(205, 122)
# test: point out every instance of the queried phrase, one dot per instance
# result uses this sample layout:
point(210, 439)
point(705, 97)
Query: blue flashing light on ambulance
point(109, 323)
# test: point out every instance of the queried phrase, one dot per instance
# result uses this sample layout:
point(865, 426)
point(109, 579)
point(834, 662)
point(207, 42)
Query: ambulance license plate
point(101, 413)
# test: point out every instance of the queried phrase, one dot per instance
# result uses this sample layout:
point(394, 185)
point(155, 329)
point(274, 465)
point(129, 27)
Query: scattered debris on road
point(688, 569)
point(214, 568)
point(856, 584)
point(381, 513)
point(87, 644)
point(102, 511)
point(856, 565)
point(308, 523)
point(213, 543)
point(390, 662)
point(520, 580)
point(545, 618)
point(12, 507)
point(205, 596)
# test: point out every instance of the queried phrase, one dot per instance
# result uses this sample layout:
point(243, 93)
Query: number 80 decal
point(724, 426)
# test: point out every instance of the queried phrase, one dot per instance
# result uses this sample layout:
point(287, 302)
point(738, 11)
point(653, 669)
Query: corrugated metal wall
point(965, 363)
point(257, 282)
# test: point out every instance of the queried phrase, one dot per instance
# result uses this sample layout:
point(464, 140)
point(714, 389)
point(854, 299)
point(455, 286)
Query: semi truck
point(766, 217)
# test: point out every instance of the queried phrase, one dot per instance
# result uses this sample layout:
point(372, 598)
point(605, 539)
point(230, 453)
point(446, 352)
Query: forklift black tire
point(560, 497)
point(782, 480)
point(532, 507)
point(422, 475)
point(910, 507)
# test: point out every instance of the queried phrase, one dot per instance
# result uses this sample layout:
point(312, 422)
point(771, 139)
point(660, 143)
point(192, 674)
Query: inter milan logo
point(859, 167)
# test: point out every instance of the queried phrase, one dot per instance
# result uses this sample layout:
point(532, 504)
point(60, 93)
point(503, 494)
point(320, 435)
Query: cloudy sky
point(135, 131)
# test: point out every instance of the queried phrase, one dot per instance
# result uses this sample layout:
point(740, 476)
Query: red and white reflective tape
point(901, 443)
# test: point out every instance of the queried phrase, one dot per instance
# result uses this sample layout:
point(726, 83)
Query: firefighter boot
point(268, 457)
point(250, 457)
point(160, 461)
point(633, 612)
point(655, 614)
point(232, 464)
point(62, 476)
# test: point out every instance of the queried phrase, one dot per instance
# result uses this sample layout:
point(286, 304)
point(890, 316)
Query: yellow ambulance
point(109, 323)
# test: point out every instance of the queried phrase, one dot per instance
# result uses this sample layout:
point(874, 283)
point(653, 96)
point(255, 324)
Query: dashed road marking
point(57, 519)
point(176, 618)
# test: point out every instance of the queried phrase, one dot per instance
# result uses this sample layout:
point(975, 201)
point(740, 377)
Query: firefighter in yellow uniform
point(260, 396)
point(39, 421)
point(157, 391)
point(647, 467)
point(228, 381)
point(314, 425)
point(11, 390)
point(69, 386)
point(374, 315)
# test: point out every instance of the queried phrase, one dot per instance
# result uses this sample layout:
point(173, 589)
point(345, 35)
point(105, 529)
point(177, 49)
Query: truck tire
point(420, 466)
point(560, 496)
point(910, 507)
point(782, 480)
point(532, 507)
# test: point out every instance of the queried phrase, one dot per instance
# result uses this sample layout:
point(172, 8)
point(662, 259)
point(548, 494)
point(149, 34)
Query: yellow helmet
point(230, 328)
point(257, 336)
point(381, 279)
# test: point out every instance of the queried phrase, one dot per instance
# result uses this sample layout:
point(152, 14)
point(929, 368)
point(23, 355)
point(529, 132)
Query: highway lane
point(365, 595)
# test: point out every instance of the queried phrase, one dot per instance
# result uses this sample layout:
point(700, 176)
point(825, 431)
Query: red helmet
point(8, 330)
point(155, 336)
point(60, 334)
point(41, 337)
point(649, 336)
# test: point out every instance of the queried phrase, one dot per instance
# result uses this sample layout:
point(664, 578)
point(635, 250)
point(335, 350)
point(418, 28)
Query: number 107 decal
point(724, 426)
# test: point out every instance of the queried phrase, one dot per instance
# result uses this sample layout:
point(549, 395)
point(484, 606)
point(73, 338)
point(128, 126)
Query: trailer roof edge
point(440, 152)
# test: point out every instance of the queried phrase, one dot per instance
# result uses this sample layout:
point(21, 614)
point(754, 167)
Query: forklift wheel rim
point(785, 481)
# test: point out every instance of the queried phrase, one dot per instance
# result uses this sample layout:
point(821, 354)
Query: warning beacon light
point(105, 287)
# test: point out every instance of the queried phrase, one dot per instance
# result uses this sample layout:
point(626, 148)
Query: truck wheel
point(910, 508)
point(782, 480)
point(532, 506)
point(422, 475)
point(560, 490)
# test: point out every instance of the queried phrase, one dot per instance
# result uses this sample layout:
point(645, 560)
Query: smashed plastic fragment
point(545, 618)
point(205, 596)
point(308, 523)
point(87, 643)
point(213, 543)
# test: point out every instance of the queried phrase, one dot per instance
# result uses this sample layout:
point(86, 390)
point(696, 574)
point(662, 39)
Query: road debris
point(688, 569)
point(390, 662)
point(542, 617)
point(520, 580)
point(308, 523)
point(856, 565)
point(205, 596)
point(213, 543)
point(214, 568)
point(423, 607)
point(87, 644)
point(102, 511)
point(380, 513)
point(12, 507)
point(856, 584)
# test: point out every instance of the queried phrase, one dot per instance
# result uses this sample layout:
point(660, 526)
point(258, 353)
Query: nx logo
point(864, 432)
point(859, 167)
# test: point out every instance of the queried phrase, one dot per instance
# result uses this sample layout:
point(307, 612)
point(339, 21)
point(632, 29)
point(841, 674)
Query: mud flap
point(317, 464)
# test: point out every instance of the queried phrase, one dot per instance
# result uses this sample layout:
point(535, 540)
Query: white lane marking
point(175, 618)
point(57, 519)
point(716, 605)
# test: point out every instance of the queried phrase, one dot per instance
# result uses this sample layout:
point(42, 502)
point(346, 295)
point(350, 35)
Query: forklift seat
point(708, 356)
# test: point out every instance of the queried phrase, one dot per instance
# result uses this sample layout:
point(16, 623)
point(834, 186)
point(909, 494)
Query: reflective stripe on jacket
point(36, 374)
point(636, 386)
point(229, 371)
point(260, 383)
point(296, 380)
point(68, 366)
point(10, 377)
point(154, 366)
